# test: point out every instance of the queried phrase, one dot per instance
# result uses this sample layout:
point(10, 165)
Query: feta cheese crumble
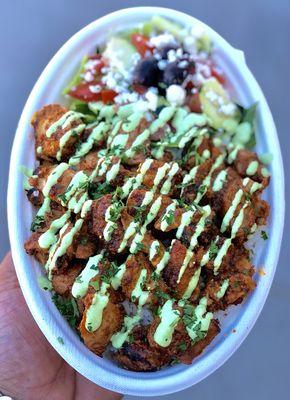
point(175, 94)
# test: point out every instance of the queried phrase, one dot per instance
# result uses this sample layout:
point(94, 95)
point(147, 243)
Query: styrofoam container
point(20, 213)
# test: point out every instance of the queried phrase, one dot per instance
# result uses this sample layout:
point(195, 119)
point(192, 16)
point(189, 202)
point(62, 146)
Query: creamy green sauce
point(49, 237)
point(119, 338)
point(45, 208)
point(165, 189)
point(91, 270)
point(231, 210)
point(235, 227)
point(185, 221)
point(219, 180)
point(94, 313)
point(265, 172)
point(221, 292)
point(116, 279)
point(154, 249)
point(65, 138)
point(169, 318)
point(132, 122)
point(202, 322)
point(193, 241)
point(39, 150)
point(252, 168)
point(192, 284)
point(155, 207)
point(233, 154)
point(138, 292)
point(166, 219)
point(113, 172)
point(53, 177)
point(78, 180)
point(61, 246)
point(161, 172)
point(63, 122)
point(96, 135)
point(206, 182)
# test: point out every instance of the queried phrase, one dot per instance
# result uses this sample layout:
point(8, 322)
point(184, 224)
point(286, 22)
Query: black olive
point(147, 73)
point(164, 50)
point(173, 74)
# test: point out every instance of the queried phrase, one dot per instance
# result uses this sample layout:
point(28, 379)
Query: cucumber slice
point(120, 53)
point(162, 24)
point(212, 97)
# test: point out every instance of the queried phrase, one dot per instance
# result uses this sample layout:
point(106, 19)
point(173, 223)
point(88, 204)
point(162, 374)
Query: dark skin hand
point(30, 369)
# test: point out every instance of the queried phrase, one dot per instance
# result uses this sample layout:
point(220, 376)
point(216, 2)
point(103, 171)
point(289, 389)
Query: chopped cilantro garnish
point(60, 340)
point(95, 285)
point(183, 346)
point(97, 190)
point(159, 293)
point(110, 272)
point(79, 279)
point(264, 235)
point(139, 247)
point(168, 217)
point(213, 250)
point(36, 224)
point(68, 309)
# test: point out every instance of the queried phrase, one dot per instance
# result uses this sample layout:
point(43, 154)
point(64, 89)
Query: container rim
point(116, 379)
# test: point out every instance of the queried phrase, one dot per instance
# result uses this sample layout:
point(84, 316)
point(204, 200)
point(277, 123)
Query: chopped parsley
point(169, 217)
point(213, 250)
point(68, 309)
point(95, 285)
point(110, 272)
point(60, 340)
point(139, 247)
point(162, 295)
point(36, 223)
point(79, 279)
point(97, 190)
point(202, 189)
point(264, 235)
point(182, 346)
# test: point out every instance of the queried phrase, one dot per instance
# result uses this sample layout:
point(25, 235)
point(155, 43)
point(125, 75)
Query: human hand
point(30, 369)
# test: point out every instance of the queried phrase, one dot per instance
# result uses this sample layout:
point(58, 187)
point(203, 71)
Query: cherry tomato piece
point(218, 74)
point(193, 102)
point(108, 95)
point(141, 42)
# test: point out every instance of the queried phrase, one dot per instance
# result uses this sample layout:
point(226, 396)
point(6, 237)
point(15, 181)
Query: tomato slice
point(108, 95)
point(83, 92)
point(193, 102)
point(141, 42)
point(218, 74)
point(97, 64)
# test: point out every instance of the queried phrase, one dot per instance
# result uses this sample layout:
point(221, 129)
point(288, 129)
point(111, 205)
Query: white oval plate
point(20, 213)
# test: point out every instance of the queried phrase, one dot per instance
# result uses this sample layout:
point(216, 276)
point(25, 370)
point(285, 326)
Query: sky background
point(32, 31)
